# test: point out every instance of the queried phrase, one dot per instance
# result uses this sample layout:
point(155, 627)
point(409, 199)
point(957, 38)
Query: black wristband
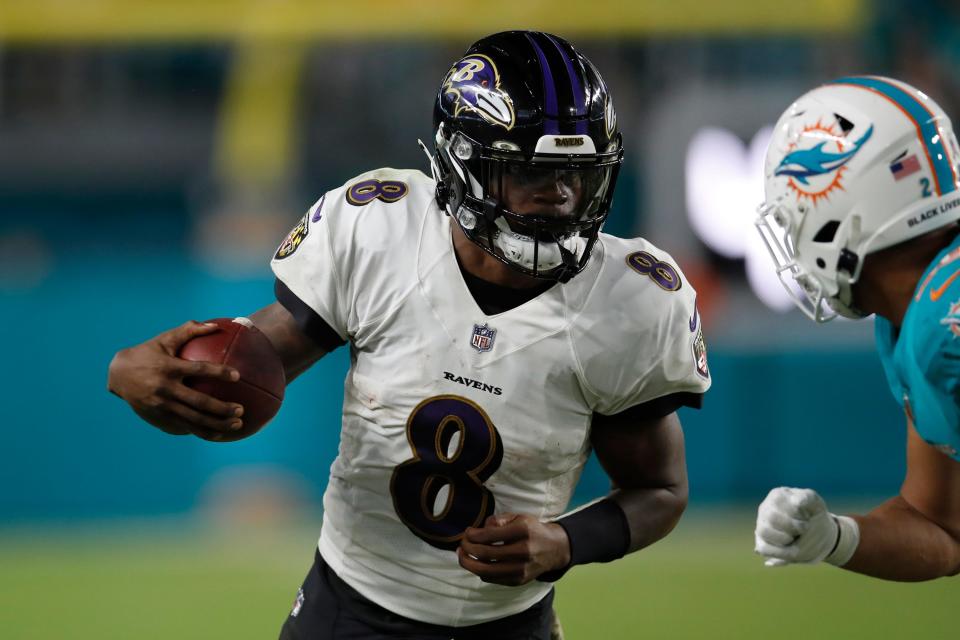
point(598, 533)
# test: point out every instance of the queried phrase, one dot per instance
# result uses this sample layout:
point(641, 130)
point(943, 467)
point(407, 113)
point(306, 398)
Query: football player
point(496, 338)
point(861, 213)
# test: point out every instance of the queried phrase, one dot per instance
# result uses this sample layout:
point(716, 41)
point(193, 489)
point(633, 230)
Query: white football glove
point(794, 526)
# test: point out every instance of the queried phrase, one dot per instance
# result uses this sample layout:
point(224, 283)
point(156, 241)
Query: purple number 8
point(367, 191)
point(663, 273)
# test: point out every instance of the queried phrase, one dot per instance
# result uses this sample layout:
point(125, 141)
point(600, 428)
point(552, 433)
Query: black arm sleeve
point(309, 321)
point(656, 408)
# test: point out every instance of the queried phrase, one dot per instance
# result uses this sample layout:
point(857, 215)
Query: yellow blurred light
point(257, 124)
point(123, 20)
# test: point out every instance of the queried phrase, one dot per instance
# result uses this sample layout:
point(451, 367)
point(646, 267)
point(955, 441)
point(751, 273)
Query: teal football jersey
point(922, 360)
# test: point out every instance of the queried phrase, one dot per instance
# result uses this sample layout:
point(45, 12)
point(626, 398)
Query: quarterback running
point(861, 212)
point(496, 338)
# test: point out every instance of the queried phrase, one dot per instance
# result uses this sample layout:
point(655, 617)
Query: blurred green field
point(185, 579)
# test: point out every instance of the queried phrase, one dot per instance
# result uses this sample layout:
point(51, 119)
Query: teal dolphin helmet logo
point(804, 163)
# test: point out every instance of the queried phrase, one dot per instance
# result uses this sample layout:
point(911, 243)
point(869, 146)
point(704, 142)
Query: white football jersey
point(451, 415)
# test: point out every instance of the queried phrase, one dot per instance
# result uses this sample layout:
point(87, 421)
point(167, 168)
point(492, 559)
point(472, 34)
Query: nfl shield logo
point(482, 338)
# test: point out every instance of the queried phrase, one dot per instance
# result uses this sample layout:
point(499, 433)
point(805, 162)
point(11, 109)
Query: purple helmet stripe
point(579, 99)
point(551, 125)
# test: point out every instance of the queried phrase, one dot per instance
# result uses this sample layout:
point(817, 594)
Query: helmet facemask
point(822, 294)
point(484, 184)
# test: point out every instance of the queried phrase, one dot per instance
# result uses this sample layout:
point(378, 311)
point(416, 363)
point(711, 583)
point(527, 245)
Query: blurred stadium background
point(152, 155)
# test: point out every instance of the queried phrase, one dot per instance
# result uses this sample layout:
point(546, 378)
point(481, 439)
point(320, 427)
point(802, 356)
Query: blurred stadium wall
point(153, 154)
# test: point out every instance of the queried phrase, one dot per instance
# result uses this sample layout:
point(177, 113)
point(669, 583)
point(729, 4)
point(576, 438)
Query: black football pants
point(330, 609)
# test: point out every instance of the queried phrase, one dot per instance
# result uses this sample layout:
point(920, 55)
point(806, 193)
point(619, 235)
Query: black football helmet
point(523, 113)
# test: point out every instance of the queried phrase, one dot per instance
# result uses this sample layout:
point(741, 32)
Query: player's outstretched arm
point(150, 376)
point(913, 536)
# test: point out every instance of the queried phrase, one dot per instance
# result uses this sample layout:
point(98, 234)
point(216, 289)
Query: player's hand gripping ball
point(242, 346)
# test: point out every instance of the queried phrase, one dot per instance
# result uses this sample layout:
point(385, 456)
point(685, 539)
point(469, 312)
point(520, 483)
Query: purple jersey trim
point(551, 125)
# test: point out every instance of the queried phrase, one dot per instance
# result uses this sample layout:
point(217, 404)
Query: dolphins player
point(861, 212)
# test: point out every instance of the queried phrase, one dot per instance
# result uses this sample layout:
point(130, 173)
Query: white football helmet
point(854, 166)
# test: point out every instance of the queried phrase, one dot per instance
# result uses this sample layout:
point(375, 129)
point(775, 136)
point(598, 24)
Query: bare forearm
point(646, 463)
point(651, 513)
point(897, 542)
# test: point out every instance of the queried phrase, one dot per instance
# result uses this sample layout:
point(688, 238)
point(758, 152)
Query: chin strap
point(847, 270)
point(570, 262)
point(442, 194)
point(490, 209)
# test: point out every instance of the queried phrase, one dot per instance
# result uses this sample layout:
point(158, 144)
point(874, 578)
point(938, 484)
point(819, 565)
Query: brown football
point(242, 346)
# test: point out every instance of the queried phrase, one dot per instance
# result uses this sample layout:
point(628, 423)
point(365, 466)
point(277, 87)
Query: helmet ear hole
point(827, 231)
